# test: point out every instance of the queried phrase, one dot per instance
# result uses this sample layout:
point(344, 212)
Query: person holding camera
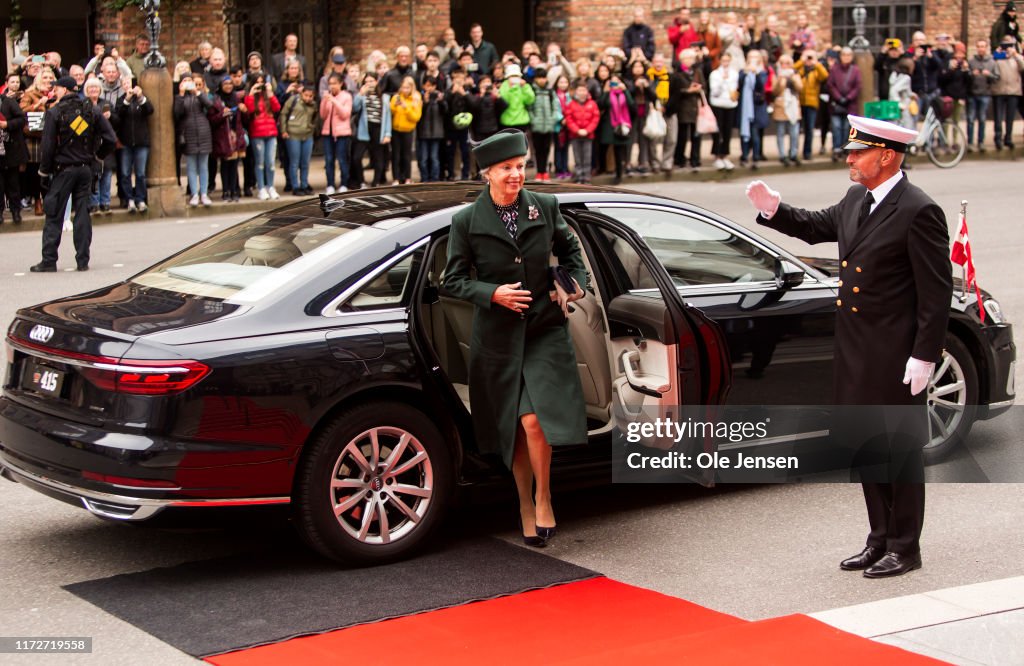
point(75, 135)
point(336, 113)
point(485, 55)
point(685, 87)
point(430, 131)
point(885, 64)
point(486, 107)
point(35, 101)
point(616, 122)
point(297, 124)
point(406, 111)
point(263, 109)
point(814, 76)
point(638, 37)
point(99, 200)
point(955, 81)
point(373, 129)
point(724, 98)
point(925, 78)
point(457, 122)
point(14, 154)
point(190, 109)
point(843, 85)
point(131, 122)
point(227, 123)
point(1006, 90)
point(984, 74)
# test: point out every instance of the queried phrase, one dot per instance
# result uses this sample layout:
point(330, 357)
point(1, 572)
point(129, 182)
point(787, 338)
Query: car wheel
point(374, 484)
point(952, 400)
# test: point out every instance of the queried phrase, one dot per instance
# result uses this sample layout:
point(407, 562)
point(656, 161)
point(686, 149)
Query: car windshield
point(249, 261)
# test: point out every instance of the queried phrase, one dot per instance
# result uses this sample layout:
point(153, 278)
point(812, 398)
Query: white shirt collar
point(880, 192)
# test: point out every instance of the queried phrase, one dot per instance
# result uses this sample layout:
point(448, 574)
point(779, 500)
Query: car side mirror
point(788, 274)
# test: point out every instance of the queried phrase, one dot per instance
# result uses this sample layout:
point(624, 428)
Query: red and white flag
point(960, 254)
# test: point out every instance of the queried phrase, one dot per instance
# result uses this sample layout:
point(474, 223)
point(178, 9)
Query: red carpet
point(596, 621)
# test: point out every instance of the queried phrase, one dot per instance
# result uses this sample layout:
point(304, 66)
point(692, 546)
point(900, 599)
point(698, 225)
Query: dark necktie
point(865, 209)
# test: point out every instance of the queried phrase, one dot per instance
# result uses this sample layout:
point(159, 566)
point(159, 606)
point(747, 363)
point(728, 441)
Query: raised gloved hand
point(917, 374)
point(765, 199)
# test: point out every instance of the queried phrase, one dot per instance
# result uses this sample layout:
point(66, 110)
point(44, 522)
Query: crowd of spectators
point(649, 105)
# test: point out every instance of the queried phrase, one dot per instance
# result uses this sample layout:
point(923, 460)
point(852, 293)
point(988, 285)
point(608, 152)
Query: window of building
point(885, 19)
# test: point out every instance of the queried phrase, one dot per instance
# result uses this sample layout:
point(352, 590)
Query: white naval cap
point(871, 133)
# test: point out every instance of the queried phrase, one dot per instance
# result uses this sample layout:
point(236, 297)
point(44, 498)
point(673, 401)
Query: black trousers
point(723, 139)
point(356, 175)
point(401, 155)
point(378, 155)
point(688, 132)
point(249, 170)
point(542, 151)
point(896, 516)
point(621, 152)
point(75, 182)
point(229, 176)
point(10, 186)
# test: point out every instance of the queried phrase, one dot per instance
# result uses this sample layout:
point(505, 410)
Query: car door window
point(695, 251)
point(388, 288)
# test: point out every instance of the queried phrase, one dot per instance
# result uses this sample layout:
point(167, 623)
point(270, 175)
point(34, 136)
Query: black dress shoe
point(862, 560)
point(893, 564)
point(43, 268)
point(82, 268)
point(16, 216)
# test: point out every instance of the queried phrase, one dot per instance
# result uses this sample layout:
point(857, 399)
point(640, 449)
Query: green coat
point(508, 349)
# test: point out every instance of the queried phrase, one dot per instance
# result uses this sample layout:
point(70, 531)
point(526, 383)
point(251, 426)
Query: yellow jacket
point(660, 79)
point(814, 79)
point(405, 112)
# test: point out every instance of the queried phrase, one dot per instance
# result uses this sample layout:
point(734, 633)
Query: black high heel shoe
point(546, 532)
point(533, 541)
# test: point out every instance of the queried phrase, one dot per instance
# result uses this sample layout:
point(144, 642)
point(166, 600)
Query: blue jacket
point(363, 131)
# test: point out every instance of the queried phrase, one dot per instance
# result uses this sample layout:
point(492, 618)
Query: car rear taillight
point(138, 377)
point(145, 377)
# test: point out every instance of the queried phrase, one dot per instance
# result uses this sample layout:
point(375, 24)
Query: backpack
point(76, 123)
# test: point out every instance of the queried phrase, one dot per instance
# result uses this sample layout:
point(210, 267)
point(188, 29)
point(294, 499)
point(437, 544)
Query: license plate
point(42, 379)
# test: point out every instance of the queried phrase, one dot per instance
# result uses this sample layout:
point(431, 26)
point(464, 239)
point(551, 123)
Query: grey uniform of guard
point(73, 139)
point(519, 363)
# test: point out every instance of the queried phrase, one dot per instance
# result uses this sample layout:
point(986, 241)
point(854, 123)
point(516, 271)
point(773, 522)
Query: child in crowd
point(430, 131)
point(545, 120)
point(406, 110)
point(297, 125)
point(336, 114)
point(581, 118)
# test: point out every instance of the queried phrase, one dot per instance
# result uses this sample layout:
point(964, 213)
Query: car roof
point(370, 206)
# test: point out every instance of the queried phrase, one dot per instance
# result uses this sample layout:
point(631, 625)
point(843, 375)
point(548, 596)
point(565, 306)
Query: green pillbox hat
point(504, 145)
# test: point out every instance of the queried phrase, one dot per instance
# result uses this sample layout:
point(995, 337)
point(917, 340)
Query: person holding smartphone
point(1006, 90)
point(190, 110)
point(263, 109)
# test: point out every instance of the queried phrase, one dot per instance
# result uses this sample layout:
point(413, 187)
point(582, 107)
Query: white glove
point(917, 375)
point(765, 199)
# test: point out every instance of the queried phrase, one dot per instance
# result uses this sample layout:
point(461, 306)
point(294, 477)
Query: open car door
point(664, 354)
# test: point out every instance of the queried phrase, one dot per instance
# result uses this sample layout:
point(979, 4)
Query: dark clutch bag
point(560, 275)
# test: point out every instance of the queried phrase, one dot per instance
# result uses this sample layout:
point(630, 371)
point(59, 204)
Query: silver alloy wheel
point(947, 400)
point(381, 485)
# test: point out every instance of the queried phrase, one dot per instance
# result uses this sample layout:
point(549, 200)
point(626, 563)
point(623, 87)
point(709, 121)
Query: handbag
point(706, 121)
point(655, 127)
point(562, 280)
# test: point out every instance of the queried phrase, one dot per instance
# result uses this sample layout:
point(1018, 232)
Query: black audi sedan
point(309, 357)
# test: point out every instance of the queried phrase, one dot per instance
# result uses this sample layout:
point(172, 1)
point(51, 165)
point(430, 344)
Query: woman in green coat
point(524, 387)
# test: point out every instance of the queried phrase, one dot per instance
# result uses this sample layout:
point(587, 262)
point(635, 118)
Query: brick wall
point(182, 28)
point(582, 27)
point(361, 27)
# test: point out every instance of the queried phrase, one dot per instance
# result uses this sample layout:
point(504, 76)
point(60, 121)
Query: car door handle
point(651, 385)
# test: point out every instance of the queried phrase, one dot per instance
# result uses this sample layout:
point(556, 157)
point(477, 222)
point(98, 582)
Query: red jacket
point(680, 38)
point(582, 116)
point(261, 118)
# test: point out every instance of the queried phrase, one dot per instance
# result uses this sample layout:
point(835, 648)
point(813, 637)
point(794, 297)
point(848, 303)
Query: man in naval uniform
point(895, 286)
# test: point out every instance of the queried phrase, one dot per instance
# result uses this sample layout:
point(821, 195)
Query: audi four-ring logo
point(41, 333)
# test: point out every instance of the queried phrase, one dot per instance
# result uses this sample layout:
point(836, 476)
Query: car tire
point(388, 504)
point(952, 400)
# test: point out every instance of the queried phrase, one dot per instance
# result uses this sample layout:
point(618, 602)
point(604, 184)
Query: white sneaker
point(142, 207)
point(720, 164)
point(342, 189)
point(131, 206)
point(329, 190)
point(263, 195)
point(273, 193)
point(729, 166)
point(194, 201)
point(206, 201)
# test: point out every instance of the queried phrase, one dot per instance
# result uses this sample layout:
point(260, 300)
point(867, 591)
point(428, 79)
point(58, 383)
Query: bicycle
point(942, 140)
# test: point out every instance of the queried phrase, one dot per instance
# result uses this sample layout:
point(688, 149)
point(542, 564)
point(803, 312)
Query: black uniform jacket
point(895, 286)
point(507, 349)
point(55, 156)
